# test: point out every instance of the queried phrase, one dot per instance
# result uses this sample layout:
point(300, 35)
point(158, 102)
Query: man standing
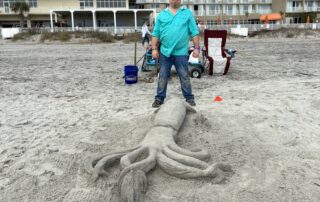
point(145, 31)
point(173, 28)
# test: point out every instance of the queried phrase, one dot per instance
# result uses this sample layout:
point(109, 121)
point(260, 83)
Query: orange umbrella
point(270, 16)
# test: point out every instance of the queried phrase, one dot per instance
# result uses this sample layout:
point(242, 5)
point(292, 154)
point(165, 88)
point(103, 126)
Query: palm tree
point(282, 16)
point(247, 16)
point(21, 8)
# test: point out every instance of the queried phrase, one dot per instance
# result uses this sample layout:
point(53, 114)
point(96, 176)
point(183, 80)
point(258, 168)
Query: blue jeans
point(181, 65)
point(145, 38)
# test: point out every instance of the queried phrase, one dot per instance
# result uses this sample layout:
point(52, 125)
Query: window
point(245, 9)
point(263, 9)
point(86, 4)
point(310, 6)
point(212, 22)
point(33, 3)
point(155, 5)
point(296, 4)
point(230, 9)
point(8, 3)
point(213, 10)
point(132, 5)
point(111, 3)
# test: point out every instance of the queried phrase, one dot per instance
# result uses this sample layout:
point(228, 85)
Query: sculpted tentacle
point(145, 165)
point(99, 168)
point(129, 158)
point(200, 154)
point(184, 159)
point(177, 169)
point(94, 160)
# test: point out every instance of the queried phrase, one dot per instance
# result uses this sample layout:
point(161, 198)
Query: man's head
point(175, 3)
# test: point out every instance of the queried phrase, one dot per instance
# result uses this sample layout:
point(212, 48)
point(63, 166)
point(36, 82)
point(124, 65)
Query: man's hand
point(195, 53)
point(155, 54)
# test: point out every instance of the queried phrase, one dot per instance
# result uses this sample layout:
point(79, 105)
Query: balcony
point(213, 13)
point(196, 13)
point(312, 9)
point(246, 1)
point(294, 9)
point(263, 11)
point(5, 10)
point(213, 1)
point(243, 12)
point(156, 1)
point(199, 1)
point(230, 1)
point(264, 1)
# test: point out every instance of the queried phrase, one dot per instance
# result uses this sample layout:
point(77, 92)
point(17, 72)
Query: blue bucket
point(131, 74)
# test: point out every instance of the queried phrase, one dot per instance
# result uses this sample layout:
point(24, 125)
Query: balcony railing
point(155, 1)
point(199, 1)
point(263, 11)
point(264, 1)
point(5, 10)
point(213, 13)
point(309, 9)
point(213, 1)
point(230, 12)
point(294, 9)
point(246, 1)
point(230, 1)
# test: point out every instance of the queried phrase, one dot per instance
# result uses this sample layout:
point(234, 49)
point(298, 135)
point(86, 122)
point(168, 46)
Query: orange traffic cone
point(218, 99)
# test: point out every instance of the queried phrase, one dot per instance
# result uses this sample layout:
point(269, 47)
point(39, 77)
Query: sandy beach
point(61, 103)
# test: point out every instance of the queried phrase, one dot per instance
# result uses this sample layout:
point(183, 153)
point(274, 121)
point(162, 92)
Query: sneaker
point(191, 102)
point(157, 103)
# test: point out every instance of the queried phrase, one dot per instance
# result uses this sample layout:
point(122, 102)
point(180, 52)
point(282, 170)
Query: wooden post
point(135, 52)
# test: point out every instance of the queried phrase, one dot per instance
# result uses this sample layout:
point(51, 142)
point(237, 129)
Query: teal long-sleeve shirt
point(174, 31)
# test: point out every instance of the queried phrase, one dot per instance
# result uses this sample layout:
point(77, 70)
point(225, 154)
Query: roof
point(271, 16)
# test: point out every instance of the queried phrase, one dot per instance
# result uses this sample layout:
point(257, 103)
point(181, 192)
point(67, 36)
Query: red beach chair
point(215, 52)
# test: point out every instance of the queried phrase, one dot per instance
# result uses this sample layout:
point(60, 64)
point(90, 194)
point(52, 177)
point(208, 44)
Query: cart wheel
point(195, 73)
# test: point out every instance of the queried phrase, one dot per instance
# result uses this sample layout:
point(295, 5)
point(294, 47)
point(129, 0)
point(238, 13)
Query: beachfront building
point(298, 11)
point(213, 12)
point(77, 14)
point(110, 14)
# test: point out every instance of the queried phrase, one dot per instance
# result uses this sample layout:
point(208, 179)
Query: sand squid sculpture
point(159, 148)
